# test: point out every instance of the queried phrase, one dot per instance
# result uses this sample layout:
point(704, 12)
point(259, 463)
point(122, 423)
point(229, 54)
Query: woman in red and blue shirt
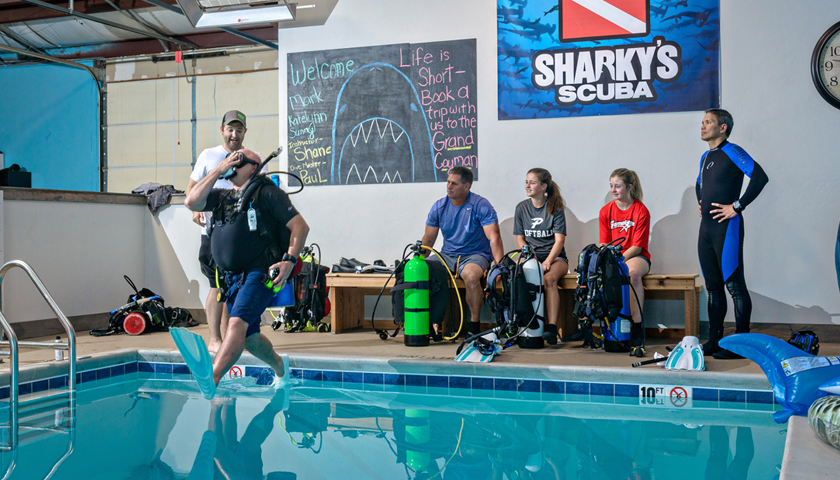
point(626, 216)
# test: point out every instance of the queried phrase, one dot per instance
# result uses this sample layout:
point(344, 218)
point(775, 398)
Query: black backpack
point(267, 225)
point(600, 278)
point(310, 289)
point(438, 292)
point(516, 297)
point(179, 317)
point(159, 317)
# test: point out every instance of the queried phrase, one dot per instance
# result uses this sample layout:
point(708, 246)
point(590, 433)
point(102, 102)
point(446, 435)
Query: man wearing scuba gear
point(233, 134)
point(471, 238)
point(246, 254)
point(720, 246)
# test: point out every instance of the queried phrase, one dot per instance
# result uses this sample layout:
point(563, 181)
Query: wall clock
point(825, 65)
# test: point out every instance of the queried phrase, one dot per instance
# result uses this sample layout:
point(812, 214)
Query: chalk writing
point(319, 71)
point(383, 114)
point(445, 88)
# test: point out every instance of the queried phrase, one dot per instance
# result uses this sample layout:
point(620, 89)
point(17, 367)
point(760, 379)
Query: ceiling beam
point(14, 36)
point(250, 38)
point(13, 11)
point(110, 23)
point(49, 58)
point(130, 48)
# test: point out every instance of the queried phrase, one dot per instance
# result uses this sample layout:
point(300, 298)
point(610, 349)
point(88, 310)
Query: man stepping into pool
point(246, 256)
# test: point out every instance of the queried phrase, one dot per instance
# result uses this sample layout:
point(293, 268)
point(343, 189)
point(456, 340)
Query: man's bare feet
point(214, 346)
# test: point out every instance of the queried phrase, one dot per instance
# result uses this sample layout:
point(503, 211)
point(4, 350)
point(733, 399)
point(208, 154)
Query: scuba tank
point(417, 438)
point(617, 333)
point(532, 271)
point(417, 301)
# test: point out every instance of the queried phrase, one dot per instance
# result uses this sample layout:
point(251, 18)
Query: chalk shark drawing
point(369, 129)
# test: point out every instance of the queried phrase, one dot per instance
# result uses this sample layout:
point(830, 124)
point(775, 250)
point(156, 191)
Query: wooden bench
point(348, 290)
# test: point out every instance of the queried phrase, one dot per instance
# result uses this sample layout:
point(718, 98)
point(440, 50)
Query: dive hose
point(383, 334)
point(457, 293)
point(527, 255)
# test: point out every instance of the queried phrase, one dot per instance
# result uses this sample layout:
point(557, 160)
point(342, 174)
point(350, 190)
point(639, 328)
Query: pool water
point(145, 428)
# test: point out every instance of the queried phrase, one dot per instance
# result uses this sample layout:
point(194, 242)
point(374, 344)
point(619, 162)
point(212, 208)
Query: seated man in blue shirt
point(471, 238)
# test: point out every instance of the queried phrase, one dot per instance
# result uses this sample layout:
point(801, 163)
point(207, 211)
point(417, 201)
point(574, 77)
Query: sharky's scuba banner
point(559, 58)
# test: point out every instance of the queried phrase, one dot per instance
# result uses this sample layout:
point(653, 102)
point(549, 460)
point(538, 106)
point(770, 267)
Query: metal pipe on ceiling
point(156, 57)
point(250, 37)
point(120, 26)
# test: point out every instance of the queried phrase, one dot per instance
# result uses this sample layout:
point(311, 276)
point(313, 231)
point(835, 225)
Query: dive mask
point(231, 172)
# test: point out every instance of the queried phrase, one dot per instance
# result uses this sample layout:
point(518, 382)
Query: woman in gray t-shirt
point(540, 223)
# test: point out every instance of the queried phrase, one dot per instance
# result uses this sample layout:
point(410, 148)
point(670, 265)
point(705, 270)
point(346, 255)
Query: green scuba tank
point(417, 436)
point(417, 302)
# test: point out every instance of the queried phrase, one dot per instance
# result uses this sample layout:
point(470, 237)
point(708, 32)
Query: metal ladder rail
point(13, 352)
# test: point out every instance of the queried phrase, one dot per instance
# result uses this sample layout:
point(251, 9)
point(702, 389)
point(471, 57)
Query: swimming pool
point(146, 419)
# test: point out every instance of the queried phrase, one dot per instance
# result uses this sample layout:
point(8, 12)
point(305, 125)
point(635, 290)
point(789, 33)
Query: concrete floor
point(367, 343)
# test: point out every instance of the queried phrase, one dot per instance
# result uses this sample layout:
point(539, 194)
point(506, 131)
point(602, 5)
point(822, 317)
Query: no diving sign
point(237, 371)
point(667, 396)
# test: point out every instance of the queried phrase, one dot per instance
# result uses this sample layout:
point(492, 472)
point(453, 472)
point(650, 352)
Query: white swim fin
point(688, 355)
point(473, 354)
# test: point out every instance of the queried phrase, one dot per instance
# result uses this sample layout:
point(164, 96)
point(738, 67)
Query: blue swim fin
point(196, 356)
point(203, 466)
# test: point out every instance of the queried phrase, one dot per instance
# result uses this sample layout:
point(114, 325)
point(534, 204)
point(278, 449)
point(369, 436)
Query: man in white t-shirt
point(233, 134)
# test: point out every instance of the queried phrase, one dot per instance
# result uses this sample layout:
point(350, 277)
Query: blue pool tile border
point(482, 386)
point(460, 382)
point(577, 388)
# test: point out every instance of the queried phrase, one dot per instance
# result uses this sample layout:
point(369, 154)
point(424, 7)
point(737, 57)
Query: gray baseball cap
point(234, 116)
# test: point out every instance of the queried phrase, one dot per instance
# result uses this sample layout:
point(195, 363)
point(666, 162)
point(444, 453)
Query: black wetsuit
point(720, 246)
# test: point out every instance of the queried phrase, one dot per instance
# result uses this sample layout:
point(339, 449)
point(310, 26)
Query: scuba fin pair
point(481, 350)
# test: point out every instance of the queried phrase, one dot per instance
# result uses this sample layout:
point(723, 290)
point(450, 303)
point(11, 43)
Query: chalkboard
point(384, 114)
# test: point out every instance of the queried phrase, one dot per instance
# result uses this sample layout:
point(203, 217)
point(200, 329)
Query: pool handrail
point(13, 353)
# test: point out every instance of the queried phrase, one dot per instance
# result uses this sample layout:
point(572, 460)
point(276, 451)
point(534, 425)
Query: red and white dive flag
point(582, 20)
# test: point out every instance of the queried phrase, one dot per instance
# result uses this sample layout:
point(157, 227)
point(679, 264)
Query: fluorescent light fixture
point(225, 13)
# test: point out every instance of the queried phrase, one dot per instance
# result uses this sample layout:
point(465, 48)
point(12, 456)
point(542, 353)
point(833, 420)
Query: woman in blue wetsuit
point(720, 246)
point(540, 223)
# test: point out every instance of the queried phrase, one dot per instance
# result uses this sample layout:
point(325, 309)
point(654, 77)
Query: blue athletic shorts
point(248, 298)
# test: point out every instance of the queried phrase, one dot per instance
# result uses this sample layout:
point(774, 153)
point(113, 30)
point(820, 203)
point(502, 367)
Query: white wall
point(80, 251)
point(766, 84)
point(172, 269)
